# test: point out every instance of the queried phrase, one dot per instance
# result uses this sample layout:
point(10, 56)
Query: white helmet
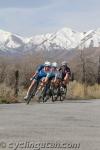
point(54, 64)
point(64, 63)
point(47, 63)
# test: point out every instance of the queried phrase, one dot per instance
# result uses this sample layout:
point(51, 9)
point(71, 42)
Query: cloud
point(24, 3)
point(49, 16)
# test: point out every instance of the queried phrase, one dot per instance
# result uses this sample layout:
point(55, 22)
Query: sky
point(32, 17)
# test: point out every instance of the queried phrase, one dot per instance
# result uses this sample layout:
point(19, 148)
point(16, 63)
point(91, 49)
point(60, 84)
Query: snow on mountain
point(91, 39)
point(62, 39)
point(10, 41)
point(65, 39)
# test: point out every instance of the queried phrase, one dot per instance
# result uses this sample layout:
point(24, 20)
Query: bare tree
point(98, 79)
point(83, 61)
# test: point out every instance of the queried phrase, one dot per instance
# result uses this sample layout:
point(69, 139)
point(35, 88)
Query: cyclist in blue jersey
point(52, 74)
point(50, 77)
point(42, 71)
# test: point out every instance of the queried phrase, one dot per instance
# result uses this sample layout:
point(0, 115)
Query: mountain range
point(64, 39)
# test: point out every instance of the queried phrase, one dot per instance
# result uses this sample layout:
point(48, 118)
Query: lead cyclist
point(41, 72)
point(50, 78)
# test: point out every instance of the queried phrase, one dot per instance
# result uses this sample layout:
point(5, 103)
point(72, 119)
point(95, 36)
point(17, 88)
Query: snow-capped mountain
point(10, 41)
point(64, 39)
point(91, 39)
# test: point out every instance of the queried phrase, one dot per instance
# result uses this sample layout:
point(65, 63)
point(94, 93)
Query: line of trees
point(85, 71)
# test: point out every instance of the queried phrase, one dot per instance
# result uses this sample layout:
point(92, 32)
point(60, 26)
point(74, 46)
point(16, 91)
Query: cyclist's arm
point(47, 78)
point(37, 71)
point(68, 74)
point(56, 76)
point(33, 76)
point(68, 71)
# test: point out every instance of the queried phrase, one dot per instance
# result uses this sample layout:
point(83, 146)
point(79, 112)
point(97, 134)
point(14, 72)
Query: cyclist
point(51, 75)
point(66, 73)
point(58, 89)
point(42, 71)
point(55, 71)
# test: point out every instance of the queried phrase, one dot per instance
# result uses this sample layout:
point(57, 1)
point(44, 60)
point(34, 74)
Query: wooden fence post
point(16, 89)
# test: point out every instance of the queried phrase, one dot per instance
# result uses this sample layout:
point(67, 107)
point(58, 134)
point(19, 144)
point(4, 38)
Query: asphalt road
point(61, 125)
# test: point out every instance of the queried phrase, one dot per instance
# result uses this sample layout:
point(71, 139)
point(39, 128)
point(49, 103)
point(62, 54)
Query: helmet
point(54, 64)
point(47, 64)
point(64, 63)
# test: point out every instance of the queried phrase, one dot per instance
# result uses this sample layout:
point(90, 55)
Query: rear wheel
point(63, 93)
point(55, 94)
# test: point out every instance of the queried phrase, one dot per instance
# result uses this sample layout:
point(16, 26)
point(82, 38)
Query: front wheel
point(32, 92)
point(45, 93)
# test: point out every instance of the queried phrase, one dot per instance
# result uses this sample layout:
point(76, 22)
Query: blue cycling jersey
point(51, 75)
point(42, 73)
point(40, 67)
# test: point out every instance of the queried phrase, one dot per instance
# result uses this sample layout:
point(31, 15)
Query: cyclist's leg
point(35, 79)
point(41, 84)
point(66, 79)
point(42, 90)
point(45, 81)
point(65, 82)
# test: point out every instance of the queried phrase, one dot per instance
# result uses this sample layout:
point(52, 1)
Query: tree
point(98, 79)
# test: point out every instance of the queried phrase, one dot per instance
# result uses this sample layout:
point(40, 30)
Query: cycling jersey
point(65, 70)
point(54, 74)
point(43, 73)
point(40, 67)
point(58, 75)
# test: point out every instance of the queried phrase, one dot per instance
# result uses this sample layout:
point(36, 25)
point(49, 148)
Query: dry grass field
point(75, 91)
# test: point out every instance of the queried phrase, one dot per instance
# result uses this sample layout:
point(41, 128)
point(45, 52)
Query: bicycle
point(53, 91)
point(46, 93)
point(59, 91)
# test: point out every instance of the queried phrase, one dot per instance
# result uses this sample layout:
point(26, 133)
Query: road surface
point(68, 125)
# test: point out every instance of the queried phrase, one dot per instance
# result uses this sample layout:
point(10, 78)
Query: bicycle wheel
point(58, 95)
point(61, 97)
point(63, 93)
point(55, 94)
point(42, 95)
point(52, 95)
point(45, 93)
point(32, 92)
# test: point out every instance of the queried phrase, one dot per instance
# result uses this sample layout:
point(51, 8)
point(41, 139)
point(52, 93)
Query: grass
point(75, 91)
point(94, 91)
point(78, 91)
point(6, 95)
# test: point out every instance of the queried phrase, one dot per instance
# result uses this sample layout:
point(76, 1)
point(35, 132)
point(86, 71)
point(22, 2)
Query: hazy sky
point(30, 17)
